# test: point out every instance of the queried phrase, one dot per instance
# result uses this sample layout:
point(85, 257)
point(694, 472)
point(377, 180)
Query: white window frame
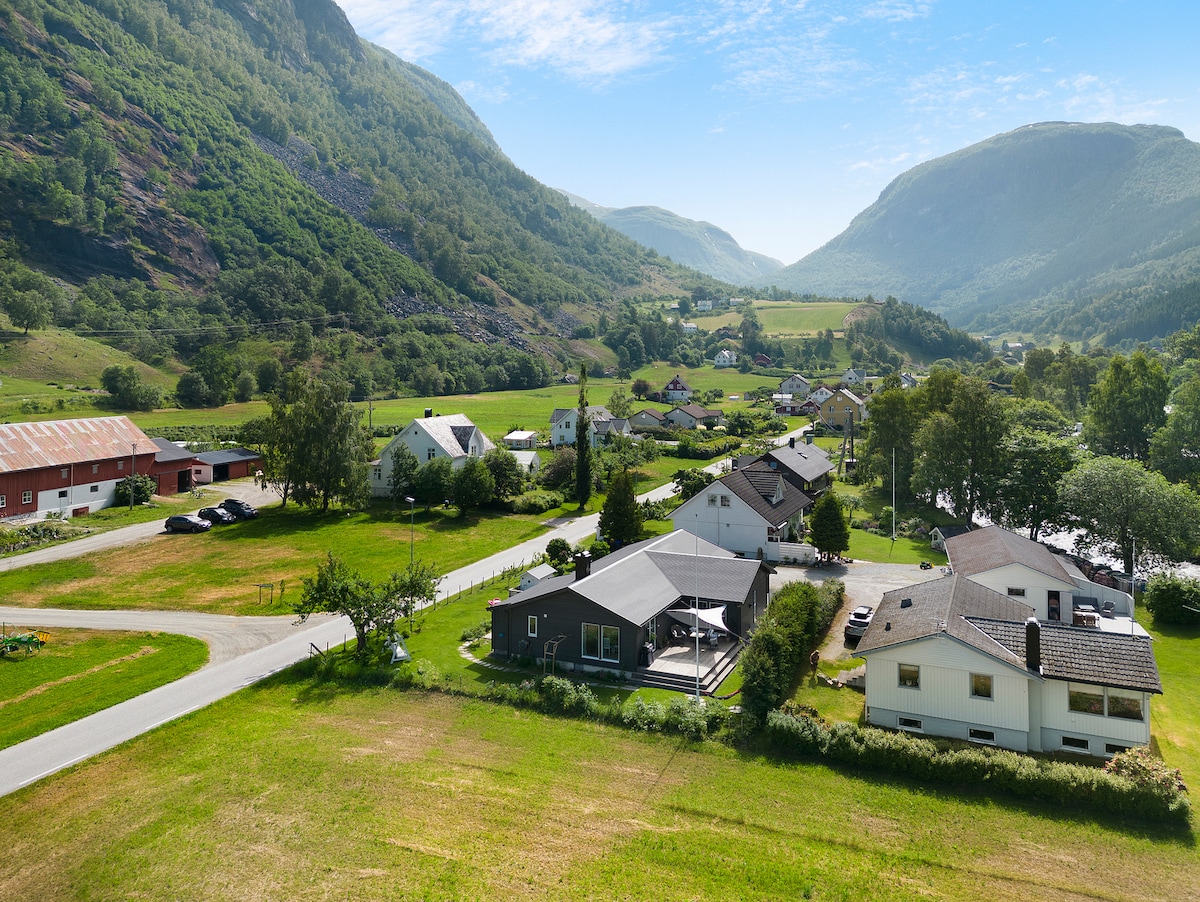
point(602, 631)
point(1016, 592)
point(712, 500)
point(910, 724)
point(977, 734)
point(3, 501)
point(27, 497)
point(531, 626)
point(1075, 744)
point(725, 502)
point(905, 684)
point(991, 685)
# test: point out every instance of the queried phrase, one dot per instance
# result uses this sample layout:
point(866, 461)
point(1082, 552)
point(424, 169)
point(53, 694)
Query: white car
point(860, 619)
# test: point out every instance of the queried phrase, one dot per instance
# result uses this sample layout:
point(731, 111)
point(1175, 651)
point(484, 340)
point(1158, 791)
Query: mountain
point(699, 245)
point(192, 173)
point(1027, 230)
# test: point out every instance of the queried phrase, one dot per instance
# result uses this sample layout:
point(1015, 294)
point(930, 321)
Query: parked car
point(860, 619)
point(186, 523)
point(243, 510)
point(216, 515)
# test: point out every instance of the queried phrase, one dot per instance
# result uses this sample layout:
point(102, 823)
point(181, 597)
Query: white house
point(953, 658)
point(725, 358)
point(704, 305)
point(535, 575)
point(855, 377)
point(795, 385)
point(820, 394)
point(521, 440)
point(529, 461)
point(689, 416)
point(689, 328)
point(677, 390)
point(452, 436)
point(1050, 586)
point(751, 511)
point(601, 425)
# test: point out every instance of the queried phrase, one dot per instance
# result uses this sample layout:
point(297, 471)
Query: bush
point(562, 696)
point(1173, 599)
point(537, 501)
point(649, 717)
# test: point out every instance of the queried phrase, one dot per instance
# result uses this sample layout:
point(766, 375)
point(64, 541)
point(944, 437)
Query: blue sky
point(780, 120)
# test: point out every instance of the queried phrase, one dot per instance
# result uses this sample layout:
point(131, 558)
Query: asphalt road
point(243, 649)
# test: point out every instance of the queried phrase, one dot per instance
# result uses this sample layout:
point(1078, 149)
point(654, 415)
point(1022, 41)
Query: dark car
point(243, 510)
point(216, 516)
point(186, 523)
point(860, 619)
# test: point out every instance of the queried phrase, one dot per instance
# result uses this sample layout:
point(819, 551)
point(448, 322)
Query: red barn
point(68, 467)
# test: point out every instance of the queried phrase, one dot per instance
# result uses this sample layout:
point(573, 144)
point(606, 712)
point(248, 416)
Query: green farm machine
point(28, 642)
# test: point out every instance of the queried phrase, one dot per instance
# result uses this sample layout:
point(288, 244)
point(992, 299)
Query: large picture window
point(981, 685)
point(1085, 699)
point(910, 676)
point(1099, 700)
point(602, 643)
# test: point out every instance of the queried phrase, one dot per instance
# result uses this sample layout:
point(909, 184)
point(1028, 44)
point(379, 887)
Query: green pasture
point(79, 672)
point(219, 571)
point(298, 789)
point(782, 319)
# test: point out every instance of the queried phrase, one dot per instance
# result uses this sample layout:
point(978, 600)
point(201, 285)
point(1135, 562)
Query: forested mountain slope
point(192, 166)
point(700, 245)
point(1025, 231)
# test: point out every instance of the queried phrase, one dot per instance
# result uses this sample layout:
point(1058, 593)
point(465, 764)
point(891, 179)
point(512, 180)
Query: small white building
point(795, 385)
point(677, 390)
point(725, 358)
point(521, 440)
point(601, 425)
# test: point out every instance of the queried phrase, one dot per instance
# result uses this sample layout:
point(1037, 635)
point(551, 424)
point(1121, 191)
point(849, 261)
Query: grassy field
point(80, 672)
point(296, 790)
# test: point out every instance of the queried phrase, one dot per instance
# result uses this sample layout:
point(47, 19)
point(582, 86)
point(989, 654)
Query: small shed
point(220, 466)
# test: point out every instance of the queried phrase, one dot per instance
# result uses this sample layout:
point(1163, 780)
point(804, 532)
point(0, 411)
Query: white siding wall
point(78, 496)
point(945, 690)
point(1060, 720)
point(1035, 584)
point(734, 528)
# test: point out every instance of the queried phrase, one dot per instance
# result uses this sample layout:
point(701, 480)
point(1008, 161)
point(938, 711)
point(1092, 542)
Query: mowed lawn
point(220, 571)
point(296, 790)
point(79, 672)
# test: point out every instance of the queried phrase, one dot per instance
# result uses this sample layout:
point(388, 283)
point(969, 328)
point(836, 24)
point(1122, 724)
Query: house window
point(94, 489)
point(1074, 744)
point(988, 736)
point(62, 493)
point(981, 685)
point(1123, 703)
point(910, 676)
point(377, 473)
point(909, 723)
point(1112, 748)
point(724, 501)
point(1015, 593)
point(602, 643)
point(95, 469)
point(532, 628)
point(120, 465)
point(27, 497)
point(1085, 699)
point(66, 473)
point(712, 500)
point(429, 452)
point(3, 501)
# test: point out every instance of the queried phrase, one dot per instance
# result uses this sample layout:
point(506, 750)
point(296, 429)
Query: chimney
point(808, 438)
point(583, 565)
point(1033, 645)
point(428, 412)
point(791, 441)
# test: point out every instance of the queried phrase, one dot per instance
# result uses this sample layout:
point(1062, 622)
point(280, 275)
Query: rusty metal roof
point(57, 443)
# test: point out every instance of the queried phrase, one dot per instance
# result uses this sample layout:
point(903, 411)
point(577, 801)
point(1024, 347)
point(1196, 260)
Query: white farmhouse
point(452, 436)
point(953, 658)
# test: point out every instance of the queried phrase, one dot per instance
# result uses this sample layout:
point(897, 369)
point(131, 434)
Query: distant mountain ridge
point(1026, 229)
point(700, 245)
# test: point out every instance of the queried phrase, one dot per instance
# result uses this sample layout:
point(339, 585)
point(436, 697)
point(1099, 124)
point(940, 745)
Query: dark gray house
point(606, 614)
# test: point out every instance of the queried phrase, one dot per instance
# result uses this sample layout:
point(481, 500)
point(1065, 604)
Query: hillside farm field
point(297, 790)
point(784, 319)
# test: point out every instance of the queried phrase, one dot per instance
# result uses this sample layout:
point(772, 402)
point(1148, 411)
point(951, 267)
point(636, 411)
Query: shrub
point(562, 696)
point(537, 501)
point(688, 717)
point(478, 631)
point(649, 717)
point(1173, 599)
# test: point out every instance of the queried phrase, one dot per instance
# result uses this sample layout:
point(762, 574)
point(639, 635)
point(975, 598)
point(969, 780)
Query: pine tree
point(829, 533)
point(621, 516)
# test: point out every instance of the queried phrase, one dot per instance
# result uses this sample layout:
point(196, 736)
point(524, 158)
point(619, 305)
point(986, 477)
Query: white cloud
point(897, 11)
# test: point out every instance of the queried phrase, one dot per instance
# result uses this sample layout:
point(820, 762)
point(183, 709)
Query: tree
point(416, 586)
point(302, 342)
point(640, 388)
point(583, 445)
point(828, 530)
point(1120, 507)
point(621, 516)
point(558, 551)
point(891, 429)
point(507, 475)
point(1173, 599)
point(29, 309)
point(193, 391)
point(402, 475)
point(244, 387)
point(337, 589)
point(316, 449)
point(957, 452)
point(143, 490)
point(473, 485)
point(435, 482)
point(691, 482)
point(1175, 448)
point(125, 386)
point(1126, 407)
point(1027, 496)
point(620, 404)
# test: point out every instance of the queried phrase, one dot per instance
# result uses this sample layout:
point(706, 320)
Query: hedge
point(1132, 783)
